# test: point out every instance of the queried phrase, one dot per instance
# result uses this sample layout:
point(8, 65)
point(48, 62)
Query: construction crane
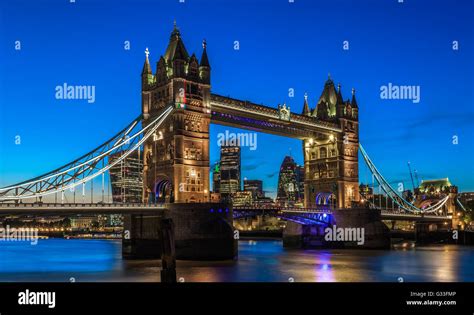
point(416, 178)
point(411, 176)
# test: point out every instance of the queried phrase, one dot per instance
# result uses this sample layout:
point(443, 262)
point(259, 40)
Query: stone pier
point(203, 231)
point(376, 234)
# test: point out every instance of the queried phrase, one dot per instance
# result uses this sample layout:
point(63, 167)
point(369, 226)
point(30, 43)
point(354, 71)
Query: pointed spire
point(176, 49)
point(329, 77)
point(204, 59)
point(354, 101)
point(306, 110)
point(175, 30)
point(146, 66)
point(340, 100)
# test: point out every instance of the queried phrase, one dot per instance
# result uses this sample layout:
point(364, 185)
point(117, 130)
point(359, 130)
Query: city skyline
point(299, 64)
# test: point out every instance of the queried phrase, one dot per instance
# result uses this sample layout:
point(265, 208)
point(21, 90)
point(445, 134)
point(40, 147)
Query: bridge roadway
point(386, 214)
point(392, 215)
point(140, 208)
point(79, 208)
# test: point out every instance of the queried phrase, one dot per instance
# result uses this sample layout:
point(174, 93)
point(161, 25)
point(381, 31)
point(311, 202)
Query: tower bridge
point(177, 161)
point(172, 132)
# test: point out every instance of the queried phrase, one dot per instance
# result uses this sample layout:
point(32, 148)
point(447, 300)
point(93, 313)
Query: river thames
point(259, 261)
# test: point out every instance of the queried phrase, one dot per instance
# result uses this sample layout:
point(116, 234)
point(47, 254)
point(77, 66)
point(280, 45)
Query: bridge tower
point(176, 158)
point(331, 160)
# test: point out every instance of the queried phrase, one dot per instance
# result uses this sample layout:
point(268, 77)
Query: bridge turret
point(147, 80)
point(177, 157)
point(204, 67)
point(331, 159)
point(306, 110)
point(339, 102)
point(176, 55)
point(147, 75)
point(326, 106)
point(355, 107)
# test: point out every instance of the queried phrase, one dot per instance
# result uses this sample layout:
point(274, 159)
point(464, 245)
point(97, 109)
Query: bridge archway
point(163, 191)
point(326, 200)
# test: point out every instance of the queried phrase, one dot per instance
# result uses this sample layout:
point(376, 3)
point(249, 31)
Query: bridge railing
point(77, 205)
point(284, 209)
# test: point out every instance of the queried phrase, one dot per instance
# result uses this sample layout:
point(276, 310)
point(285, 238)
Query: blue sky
point(282, 45)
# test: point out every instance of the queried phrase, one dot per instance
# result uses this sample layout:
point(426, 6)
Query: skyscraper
point(289, 183)
point(255, 186)
point(229, 170)
point(300, 182)
point(126, 178)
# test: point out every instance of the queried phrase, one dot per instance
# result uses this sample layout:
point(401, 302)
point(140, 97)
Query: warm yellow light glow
point(331, 137)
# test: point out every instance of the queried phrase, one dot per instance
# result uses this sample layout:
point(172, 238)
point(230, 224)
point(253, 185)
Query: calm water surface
point(259, 260)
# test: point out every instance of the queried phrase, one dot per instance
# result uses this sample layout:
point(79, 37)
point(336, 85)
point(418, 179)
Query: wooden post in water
point(168, 253)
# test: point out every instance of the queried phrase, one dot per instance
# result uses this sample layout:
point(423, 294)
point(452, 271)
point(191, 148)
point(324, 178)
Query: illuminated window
point(323, 153)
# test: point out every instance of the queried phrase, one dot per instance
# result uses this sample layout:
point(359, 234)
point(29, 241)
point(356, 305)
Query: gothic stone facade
point(176, 165)
point(331, 161)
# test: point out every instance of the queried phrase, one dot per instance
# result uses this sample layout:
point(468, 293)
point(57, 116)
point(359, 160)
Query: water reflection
point(259, 260)
point(324, 271)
